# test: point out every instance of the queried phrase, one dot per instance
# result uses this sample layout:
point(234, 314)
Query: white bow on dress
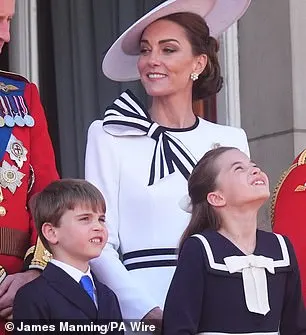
point(254, 277)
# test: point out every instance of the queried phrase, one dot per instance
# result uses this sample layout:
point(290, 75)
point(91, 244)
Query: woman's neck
point(173, 111)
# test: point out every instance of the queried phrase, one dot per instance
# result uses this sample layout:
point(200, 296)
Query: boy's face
point(80, 237)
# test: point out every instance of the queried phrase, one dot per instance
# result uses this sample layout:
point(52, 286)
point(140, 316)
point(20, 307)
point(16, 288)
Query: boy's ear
point(216, 199)
point(49, 232)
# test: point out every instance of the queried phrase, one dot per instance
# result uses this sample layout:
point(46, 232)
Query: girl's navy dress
point(215, 292)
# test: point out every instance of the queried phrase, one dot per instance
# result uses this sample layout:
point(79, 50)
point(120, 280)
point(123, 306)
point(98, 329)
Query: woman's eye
point(144, 51)
point(168, 50)
point(238, 168)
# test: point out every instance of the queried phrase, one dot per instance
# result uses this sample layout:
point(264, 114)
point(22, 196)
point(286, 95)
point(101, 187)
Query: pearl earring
point(194, 76)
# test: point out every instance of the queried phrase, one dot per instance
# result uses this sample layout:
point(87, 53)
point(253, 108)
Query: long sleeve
point(42, 157)
point(102, 168)
point(30, 306)
point(42, 164)
point(183, 307)
point(294, 313)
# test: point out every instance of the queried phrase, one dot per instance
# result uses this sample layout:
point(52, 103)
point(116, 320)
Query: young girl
point(232, 278)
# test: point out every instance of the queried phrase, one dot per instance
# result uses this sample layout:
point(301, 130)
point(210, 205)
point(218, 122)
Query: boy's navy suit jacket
point(55, 295)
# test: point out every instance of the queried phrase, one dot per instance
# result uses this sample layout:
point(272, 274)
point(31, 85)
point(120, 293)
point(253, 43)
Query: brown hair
point(50, 204)
point(201, 182)
point(210, 80)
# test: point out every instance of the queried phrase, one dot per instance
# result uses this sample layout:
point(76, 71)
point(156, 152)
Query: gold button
point(2, 211)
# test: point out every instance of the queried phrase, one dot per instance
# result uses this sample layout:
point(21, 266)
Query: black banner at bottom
point(78, 327)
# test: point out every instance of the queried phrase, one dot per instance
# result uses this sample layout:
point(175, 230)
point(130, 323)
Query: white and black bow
point(126, 116)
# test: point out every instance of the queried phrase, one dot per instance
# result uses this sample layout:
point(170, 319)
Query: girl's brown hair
point(201, 182)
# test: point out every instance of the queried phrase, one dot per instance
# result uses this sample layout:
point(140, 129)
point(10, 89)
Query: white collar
point(73, 272)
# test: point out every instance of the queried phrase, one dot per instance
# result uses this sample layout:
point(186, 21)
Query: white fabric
point(185, 203)
point(75, 274)
point(285, 261)
point(136, 122)
point(139, 216)
point(149, 258)
point(254, 279)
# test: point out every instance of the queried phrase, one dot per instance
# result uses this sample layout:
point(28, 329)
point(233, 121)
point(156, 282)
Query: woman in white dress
point(141, 158)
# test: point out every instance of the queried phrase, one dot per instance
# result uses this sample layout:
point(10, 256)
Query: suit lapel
point(70, 289)
point(100, 298)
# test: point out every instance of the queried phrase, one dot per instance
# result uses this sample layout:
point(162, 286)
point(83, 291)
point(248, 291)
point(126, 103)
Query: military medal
point(2, 123)
point(19, 121)
point(10, 177)
point(29, 121)
point(17, 151)
point(15, 111)
point(9, 121)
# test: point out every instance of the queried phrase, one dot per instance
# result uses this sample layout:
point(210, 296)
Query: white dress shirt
point(75, 274)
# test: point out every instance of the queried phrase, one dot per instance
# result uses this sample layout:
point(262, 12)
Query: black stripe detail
point(161, 168)
point(152, 170)
point(163, 140)
point(169, 154)
point(125, 112)
point(149, 252)
point(151, 264)
point(159, 130)
point(181, 151)
point(122, 99)
point(181, 167)
point(139, 103)
point(127, 124)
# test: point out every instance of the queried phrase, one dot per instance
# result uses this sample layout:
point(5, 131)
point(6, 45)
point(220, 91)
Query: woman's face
point(166, 59)
point(240, 182)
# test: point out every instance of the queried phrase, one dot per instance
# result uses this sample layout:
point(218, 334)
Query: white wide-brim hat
point(120, 62)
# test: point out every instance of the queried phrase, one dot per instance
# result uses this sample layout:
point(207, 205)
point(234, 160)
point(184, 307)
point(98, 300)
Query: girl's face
point(240, 182)
point(166, 59)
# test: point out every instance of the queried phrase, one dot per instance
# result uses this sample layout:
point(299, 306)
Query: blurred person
point(27, 165)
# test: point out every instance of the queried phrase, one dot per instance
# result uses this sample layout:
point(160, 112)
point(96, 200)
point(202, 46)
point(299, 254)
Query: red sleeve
point(42, 159)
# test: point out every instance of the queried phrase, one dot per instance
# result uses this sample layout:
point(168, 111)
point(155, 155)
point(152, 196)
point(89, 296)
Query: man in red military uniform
point(288, 211)
point(27, 165)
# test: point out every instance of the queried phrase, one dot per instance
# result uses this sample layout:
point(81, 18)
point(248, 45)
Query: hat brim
point(120, 62)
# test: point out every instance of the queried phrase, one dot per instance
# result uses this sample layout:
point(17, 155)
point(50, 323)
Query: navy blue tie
point(87, 285)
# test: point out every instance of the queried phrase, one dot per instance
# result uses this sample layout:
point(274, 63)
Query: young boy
point(70, 218)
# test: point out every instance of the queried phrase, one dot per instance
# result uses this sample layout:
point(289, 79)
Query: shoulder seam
point(13, 75)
